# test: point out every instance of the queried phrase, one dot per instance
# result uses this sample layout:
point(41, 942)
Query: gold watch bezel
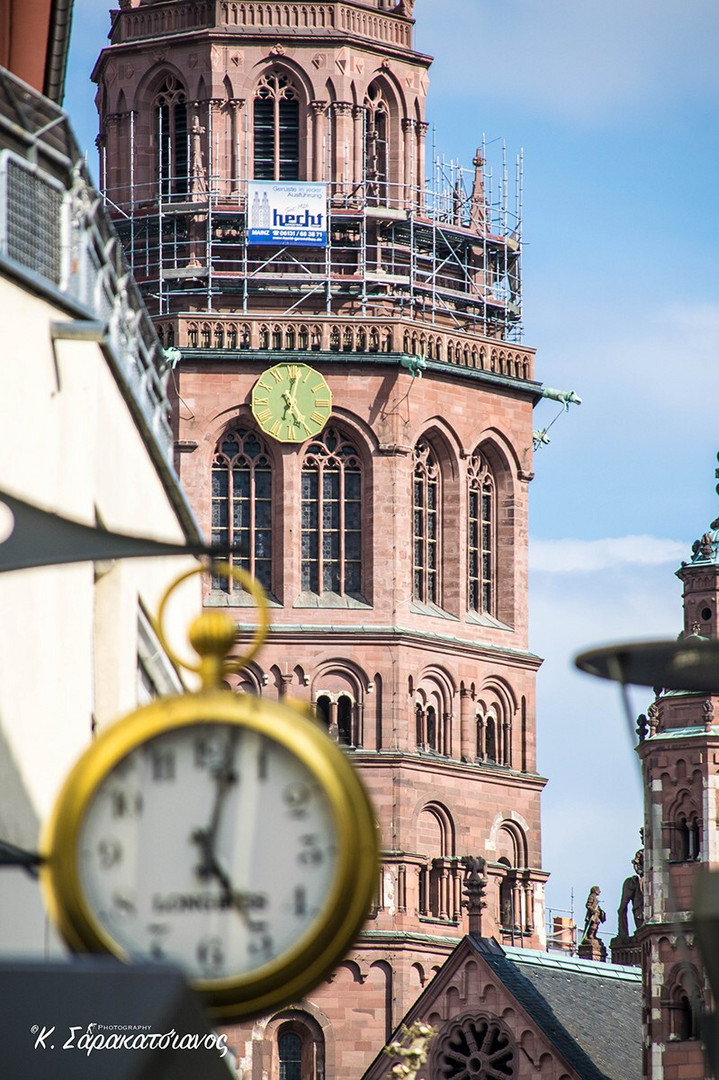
point(316, 953)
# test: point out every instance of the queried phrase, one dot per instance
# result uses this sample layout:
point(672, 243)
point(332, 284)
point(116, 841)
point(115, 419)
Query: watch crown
point(212, 635)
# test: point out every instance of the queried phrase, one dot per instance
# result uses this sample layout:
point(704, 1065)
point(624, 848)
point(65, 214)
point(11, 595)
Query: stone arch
point(684, 824)
point(437, 876)
point(248, 681)
point(317, 1040)
point(495, 708)
point(681, 1003)
point(143, 93)
point(435, 828)
point(446, 442)
point(291, 68)
point(338, 690)
point(433, 699)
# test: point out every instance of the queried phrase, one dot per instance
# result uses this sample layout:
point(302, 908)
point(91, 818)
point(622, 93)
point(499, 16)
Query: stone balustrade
point(259, 15)
point(356, 335)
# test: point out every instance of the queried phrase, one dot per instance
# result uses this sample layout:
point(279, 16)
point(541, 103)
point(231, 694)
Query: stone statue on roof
point(595, 914)
point(632, 894)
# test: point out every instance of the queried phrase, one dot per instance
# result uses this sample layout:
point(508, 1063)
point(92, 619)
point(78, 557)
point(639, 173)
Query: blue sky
point(616, 106)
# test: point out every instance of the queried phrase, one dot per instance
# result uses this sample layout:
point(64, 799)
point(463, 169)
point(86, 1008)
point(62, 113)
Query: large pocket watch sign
point(225, 833)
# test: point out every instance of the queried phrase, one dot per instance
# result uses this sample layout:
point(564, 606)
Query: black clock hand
point(225, 777)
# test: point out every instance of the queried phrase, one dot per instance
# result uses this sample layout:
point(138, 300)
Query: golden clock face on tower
point(291, 402)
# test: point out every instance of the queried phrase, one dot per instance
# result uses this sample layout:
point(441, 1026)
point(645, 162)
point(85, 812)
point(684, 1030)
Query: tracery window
point(331, 516)
point(276, 127)
point(426, 524)
point(376, 150)
point(172, 138)
point(481, 542)
point(242, 504)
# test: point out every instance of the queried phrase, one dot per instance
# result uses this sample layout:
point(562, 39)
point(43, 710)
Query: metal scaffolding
point(447, 254)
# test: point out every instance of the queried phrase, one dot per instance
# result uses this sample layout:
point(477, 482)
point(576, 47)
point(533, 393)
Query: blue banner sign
point(287, 213)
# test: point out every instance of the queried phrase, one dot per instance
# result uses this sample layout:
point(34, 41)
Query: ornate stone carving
point(475, 886)
point(708, 714)
point(475, 1046)
point(632, 893)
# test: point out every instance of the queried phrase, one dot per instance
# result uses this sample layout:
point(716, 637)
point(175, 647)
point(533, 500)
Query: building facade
point(679, 750)
point(82, 363)
point(353, 413)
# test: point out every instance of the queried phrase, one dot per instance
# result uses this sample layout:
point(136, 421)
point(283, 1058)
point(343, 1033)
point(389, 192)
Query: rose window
point(474, 1047)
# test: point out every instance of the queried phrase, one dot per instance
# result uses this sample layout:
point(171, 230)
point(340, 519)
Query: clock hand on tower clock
point(291, 406)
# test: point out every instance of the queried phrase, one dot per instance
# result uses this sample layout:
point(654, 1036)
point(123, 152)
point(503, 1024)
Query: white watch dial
point(210, 846)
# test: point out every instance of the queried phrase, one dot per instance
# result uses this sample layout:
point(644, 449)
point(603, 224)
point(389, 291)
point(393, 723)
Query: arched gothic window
point(490, 737)
point(481, 543)
point(331, 516)
point(687, 838)
point(289, 1049)
point(376, 149)
point(300, 1049)
point(345, 709)
point(276, 127)
point(242, 504)
point(506, 897)
point(323, 705)
point(339, 715)
point(681, 1020)
point(438, 873)
point(172, 140)
point(427, 524)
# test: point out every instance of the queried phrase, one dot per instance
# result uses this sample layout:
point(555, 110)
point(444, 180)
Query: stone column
point(528, 907)
point(456, 892)
point(507, 743)
point(402, 888)
point(358, 115)
point(480, 738)
point(359, 724)
point(342, 123)
point(443, 887)
point(423, 897)
point(467, 751)
point(319, 128)
point(407, 177)
point(333, 730)
point(516, 906)
point(421, 129)
point(236, 134)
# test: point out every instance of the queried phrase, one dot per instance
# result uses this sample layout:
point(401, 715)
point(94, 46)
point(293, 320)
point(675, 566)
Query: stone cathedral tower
point(354, 414)
point(679, 750)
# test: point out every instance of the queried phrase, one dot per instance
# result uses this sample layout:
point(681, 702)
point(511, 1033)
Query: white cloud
point(588, 556)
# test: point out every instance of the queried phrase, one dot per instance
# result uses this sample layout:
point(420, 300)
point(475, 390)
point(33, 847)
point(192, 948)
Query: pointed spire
point(478, 199)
